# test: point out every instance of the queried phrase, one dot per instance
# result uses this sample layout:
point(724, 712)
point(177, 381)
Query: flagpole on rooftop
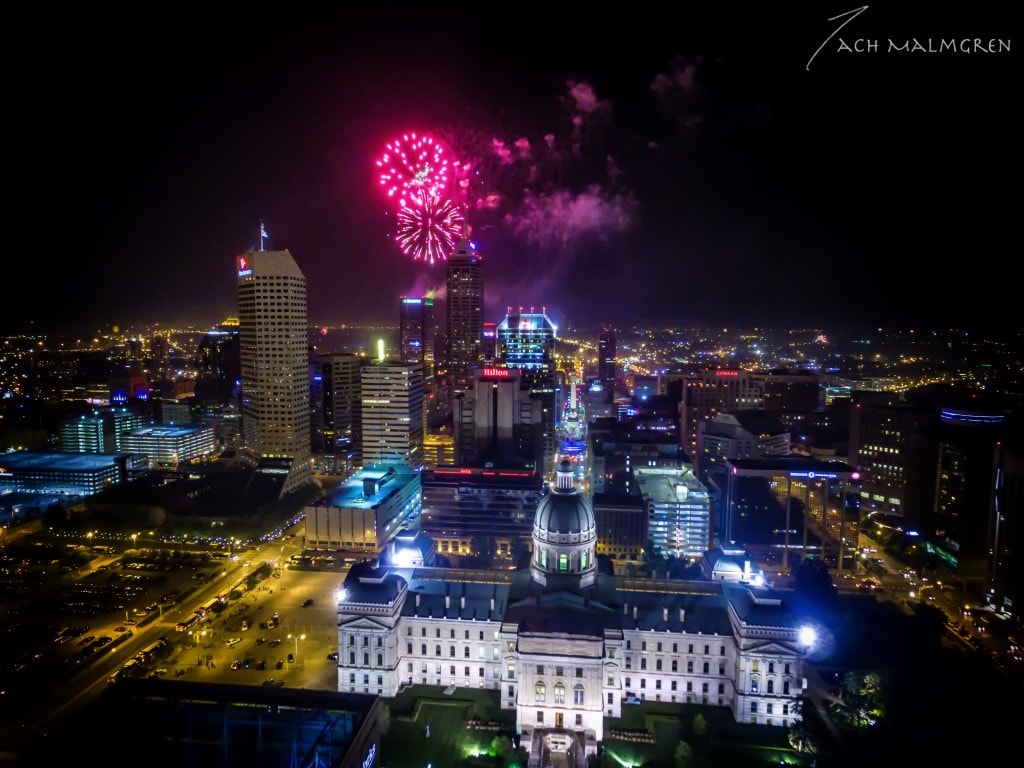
point(263, 234)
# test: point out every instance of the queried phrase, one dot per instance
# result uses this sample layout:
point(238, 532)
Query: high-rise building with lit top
point(526, 342)
point(274, 348)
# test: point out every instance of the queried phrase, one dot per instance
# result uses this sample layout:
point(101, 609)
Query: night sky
point(632, 165)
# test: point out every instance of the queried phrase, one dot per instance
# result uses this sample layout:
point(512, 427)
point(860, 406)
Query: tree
point(801, 740)
point(684, 756)
point(700, 725)
point(501, 746)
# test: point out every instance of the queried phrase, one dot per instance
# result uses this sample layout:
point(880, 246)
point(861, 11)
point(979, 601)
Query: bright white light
point(808, 636)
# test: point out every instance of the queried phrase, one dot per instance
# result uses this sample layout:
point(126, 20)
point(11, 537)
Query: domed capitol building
point(565, 642)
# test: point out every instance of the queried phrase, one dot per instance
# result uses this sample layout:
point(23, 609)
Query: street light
point(297, 638)
point(135, 537)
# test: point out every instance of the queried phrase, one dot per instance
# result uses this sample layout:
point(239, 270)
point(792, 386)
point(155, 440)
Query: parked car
point(308, 603)
point(333, 656)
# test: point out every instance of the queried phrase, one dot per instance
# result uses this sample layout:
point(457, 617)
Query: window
point(511, 691)
point(465, 652)
point(481, 634)
point(423, 631)
point(579, 695)
point(465, 671)
point(707, 649)
point(675, 665)
point(690, 649)
point(611, 678)
point(539, 692)
point(408, 648)
point(408, 631)
point(673, 685)
point(657, 665)
point(675, 647)
point(657, 685)
point(559, 694)
point(721, 688)
point(785, 687)
point(689, 666)
point(628, 683)
point(563, 562)
point(768, 709)
point(380, 659)
point(753, 666)
point(629, 645)
point(423, 649)
point(437, 632)
point(352, 658)
point(643, 645)
point(366, 659)
point(771, 667)
point(579, 671)
point(559, 671)
point(611, 698)
point(366, 640)
point(437, 650)
point(380, 642)
point(540, 669)
point(771, 686)
point(451, 670)
point(785, 668)
point(753, 707)
point(659, 647)
point(451, 651)
point(643, 682)
point(352, 678)
point(467, 635)
point(540, 716)
point(643, 663)
point(511, 671)
point(451, 634)
point(707, 667)
point(543, 558)
point(579, 719)
point(408, 667)
point(482, 672)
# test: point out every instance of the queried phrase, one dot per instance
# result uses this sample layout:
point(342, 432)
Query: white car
point(232, 642)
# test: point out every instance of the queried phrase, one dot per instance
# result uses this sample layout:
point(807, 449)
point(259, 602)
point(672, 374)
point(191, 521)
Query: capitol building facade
point(564, 641)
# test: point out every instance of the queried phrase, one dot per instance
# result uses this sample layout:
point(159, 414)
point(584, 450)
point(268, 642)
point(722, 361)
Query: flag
point(263, 230)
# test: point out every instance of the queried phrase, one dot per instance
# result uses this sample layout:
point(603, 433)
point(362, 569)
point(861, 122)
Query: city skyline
point(745, 170)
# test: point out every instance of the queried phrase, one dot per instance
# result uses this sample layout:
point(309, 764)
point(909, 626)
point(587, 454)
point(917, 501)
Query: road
point(308, 633)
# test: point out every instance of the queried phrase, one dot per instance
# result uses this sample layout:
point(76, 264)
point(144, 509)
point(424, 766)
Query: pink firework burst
point(412, 164)
point(428, 227)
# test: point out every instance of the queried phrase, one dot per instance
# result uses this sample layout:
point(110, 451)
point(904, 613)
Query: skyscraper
point(606, 367)
point(416, 341)
point(391, 413)
point(416, 328)
point(464, 314)
point(339, 389)
point(526, 341)
point(274, 347)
